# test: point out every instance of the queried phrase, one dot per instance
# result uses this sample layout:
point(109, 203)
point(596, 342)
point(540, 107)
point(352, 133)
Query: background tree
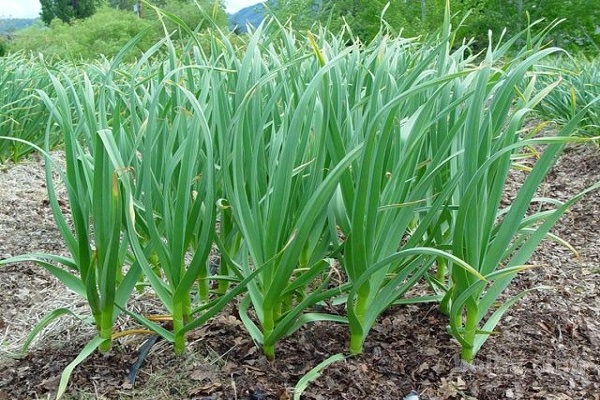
point(122, 4)
point(363, 17)
point(66, 10)
point(197, 14)
point(104, 33)
point(301, 13)
point(112, 26)
point(579, 31)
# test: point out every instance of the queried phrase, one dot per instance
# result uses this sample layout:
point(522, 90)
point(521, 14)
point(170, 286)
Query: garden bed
point(548, 345)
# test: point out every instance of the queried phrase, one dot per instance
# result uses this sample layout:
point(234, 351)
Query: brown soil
point(547, 348)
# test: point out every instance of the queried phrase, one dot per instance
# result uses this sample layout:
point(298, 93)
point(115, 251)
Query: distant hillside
point(252, 15)
point(12, 24)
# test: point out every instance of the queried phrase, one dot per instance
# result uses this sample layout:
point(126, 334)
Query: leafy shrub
point(105, 33)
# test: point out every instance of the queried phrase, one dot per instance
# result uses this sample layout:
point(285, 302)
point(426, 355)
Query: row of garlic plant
point(22, 113)
point(96, 268)
point(579, 84)
point(494, 239)
point(297, 156)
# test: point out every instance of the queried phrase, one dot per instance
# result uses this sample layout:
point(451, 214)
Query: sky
point(31, 8)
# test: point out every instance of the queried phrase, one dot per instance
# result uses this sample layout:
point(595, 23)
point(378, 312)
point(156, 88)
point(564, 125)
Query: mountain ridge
point(8, 25)
point(251, 15)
